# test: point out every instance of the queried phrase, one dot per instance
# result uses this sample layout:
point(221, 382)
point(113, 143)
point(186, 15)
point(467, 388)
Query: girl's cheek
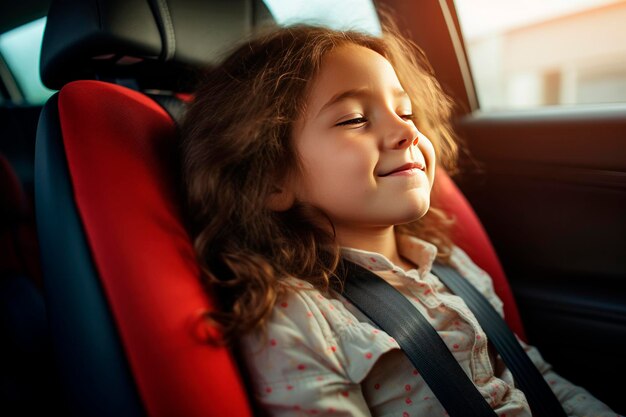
point(426, 147)
point(357, 154)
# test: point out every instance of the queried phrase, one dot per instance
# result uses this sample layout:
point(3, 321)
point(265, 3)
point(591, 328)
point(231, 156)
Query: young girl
point(307, 145)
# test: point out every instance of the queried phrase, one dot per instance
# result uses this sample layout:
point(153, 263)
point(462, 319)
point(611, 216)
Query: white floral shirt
point(322, 356)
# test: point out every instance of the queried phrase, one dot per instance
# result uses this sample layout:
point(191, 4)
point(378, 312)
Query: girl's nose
point(401, 133)
point(403, 142)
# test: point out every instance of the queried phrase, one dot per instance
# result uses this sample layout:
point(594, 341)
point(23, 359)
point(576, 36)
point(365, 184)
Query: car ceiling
point(16, 13)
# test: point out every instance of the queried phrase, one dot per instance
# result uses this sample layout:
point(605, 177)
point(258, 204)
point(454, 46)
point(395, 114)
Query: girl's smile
point(408, 169)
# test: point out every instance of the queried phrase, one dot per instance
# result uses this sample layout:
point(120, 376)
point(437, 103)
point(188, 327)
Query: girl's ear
point(281, 199)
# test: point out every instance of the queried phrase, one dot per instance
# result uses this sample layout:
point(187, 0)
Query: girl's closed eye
point(362, 120)
point(354, 121)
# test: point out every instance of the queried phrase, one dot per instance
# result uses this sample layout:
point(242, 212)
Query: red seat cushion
point(121, 153)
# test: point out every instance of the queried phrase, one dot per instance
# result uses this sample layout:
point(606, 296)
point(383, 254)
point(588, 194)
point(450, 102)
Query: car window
point(545, 52)
point(346, 14)
point(21, 49)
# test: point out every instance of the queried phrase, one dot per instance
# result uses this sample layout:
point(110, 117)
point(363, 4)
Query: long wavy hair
point(237, 142)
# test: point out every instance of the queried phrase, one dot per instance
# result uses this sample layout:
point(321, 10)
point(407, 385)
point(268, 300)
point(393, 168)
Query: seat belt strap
point(394, 313)
point(540, 397)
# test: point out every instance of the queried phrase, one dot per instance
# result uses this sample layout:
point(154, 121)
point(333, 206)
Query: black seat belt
point(540, 397)
point(395, 314)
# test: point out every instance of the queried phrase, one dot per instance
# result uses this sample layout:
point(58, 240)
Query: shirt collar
point(418, 251)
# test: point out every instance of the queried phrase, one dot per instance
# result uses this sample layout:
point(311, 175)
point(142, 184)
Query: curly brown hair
point(237, 142)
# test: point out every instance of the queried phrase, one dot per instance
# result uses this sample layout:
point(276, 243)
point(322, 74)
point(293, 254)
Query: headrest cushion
point(158, 43)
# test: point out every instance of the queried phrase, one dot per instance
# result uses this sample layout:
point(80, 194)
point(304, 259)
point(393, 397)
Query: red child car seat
point(120, 275)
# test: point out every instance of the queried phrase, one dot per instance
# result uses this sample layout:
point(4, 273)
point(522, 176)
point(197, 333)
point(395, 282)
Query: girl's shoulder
point(318, 331)
point(479, 278)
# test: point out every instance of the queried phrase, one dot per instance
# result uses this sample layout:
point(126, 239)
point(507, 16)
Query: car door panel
point(550, 188)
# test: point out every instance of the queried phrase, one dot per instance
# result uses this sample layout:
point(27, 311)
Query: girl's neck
point(380, 240)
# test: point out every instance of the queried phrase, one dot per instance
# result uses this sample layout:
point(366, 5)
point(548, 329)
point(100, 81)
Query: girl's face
point(364, 161)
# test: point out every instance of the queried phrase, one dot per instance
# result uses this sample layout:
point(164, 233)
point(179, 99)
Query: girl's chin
point(409, 216)
point(416, 213)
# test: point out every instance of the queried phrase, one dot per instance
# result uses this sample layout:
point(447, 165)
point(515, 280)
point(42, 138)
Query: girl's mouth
point(410, 168)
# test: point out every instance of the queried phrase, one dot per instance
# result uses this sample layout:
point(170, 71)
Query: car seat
point(120, 275)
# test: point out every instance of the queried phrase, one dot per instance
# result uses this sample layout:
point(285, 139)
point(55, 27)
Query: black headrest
point(158, 43)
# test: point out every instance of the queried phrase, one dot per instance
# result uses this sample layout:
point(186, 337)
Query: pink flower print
point(407, 387)
point(368, 355)
point(284, 304)
point(376, 386)
point(301, 367)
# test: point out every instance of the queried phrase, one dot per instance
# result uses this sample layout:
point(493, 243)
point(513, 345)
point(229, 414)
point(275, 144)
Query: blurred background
point(545, 52)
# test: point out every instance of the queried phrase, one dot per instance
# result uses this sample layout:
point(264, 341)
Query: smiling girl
point(307, 145)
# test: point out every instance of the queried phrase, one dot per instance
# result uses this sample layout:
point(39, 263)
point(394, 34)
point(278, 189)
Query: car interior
point(100, 297)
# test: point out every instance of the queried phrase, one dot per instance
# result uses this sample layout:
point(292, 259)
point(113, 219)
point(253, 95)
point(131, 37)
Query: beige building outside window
point(534, 53)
